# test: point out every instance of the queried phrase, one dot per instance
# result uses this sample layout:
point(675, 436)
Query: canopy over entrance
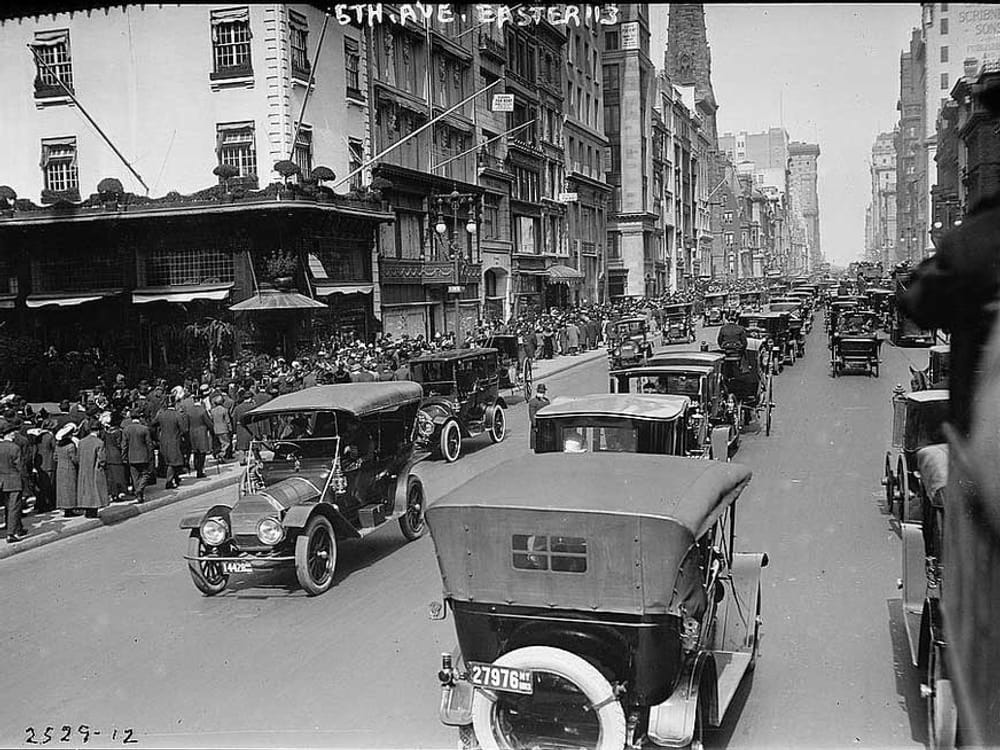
point(273, 299)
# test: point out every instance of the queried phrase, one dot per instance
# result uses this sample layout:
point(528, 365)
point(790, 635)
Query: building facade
point(911, 166)
point(804, 193)
point(881, 230)
point(215, 189)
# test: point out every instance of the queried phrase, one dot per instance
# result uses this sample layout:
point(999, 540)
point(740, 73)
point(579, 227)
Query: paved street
point(106, 629)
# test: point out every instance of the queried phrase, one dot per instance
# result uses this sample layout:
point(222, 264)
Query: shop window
point(172, 267)
point(231, 43)
point(60, 175)
point(53, 65)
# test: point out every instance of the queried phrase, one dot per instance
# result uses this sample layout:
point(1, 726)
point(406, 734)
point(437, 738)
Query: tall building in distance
point(804, 194)
point(911, 166)
point(880, 219)
point(768, 151)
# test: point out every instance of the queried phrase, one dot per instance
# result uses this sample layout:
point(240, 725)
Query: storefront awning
point(7, 301)
point(325, 290)
point(181, 293)
point(564, 274)
point(272, 299)
point(64, 299)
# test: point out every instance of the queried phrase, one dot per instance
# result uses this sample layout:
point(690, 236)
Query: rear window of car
point(560, 554)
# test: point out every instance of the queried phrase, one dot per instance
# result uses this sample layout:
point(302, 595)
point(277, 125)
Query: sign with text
point(503, 102)
point(456, 289)
point(630, 35)
point(568, 197)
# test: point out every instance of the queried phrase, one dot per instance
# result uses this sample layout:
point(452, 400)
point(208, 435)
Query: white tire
point(574, 669)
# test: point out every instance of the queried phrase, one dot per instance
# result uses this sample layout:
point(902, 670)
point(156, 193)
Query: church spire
point(688, 60)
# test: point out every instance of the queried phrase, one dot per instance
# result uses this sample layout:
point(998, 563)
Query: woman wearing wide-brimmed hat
point(67, 463)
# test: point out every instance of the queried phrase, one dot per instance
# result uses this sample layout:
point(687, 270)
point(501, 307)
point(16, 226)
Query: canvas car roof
point(631, 405)
point(666, 358)
point(678, 369)
point(926, 396)
point(689, 492)
point(357, 398)
point(450, 355)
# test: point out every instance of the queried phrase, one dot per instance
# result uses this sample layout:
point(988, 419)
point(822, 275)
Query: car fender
point(194, 520)
point(439, 411)
point(488, 416)
point(298, 516)
point(399, 496)
point(671, 723)
point(736, 617)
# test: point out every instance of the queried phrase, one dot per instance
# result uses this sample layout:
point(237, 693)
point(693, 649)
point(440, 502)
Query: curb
point(115, 514)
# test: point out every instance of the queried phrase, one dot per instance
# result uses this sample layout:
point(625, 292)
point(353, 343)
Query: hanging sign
point(503, 102)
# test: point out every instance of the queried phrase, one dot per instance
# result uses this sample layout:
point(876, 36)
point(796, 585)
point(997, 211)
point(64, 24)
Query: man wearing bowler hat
point(536, 402)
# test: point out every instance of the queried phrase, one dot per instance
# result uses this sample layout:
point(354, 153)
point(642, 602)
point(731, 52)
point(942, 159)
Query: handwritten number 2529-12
point(65, 734)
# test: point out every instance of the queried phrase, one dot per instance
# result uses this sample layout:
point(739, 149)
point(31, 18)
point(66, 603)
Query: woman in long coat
point(115, 467)
point(66, 462)
point(92, 484)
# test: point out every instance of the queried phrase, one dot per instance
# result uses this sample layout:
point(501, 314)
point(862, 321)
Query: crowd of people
point(116, 438)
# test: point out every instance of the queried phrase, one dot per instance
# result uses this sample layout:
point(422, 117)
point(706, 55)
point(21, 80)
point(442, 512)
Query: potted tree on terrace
point(287, 169)
point(225, 173)
point(282, 265)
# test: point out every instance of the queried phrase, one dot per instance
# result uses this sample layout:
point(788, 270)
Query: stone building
point(804, 194)
point(215, 190)
point(911, 166)
point(881, 230)
point(978, 134)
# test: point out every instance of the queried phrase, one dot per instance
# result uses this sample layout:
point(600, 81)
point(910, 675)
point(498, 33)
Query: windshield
point(612, 439)
point(596, 434)
point(674, 384)
point(630, 327)
point(308, 434)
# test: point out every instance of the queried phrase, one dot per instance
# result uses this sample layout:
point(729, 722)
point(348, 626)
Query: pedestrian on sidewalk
point(66, 463)
point(117, 474)
point(10, 482)
point(222, 429)
point(137, 452)
point(200, 435)
point(45, 451)
point(92, 484)
point(171, 427)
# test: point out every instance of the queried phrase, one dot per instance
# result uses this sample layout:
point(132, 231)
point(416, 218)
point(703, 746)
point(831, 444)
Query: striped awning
point(66, 299)
point(181, 293)
point(273, 299)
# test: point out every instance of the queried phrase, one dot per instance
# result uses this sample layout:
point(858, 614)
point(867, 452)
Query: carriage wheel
point(527, 384)
point(889, 480)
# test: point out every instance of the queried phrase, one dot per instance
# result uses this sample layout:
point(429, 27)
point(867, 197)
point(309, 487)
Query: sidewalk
point(46, 528)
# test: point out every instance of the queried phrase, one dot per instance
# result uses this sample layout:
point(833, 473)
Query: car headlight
point(214, 531)
point(425, 425)
point(270, 531)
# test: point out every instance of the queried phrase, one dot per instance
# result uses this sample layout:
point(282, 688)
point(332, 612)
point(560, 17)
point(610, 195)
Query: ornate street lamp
point(449, 242)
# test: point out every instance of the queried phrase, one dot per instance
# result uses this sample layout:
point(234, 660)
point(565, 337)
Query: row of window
point(235, 147)
point(231, 53)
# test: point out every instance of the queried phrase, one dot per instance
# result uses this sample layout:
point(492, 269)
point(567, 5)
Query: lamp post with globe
point(452, 250)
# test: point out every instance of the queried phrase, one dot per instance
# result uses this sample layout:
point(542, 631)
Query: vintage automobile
point(880, 302)
point(755, 299)
point(625, 423)
point(592, 612)
point(461, 399)
point(715, 308)
point(325, 464)
point(798, 321)
point(697, 375)
point(628, 341)
point(935, 375)
point(515, 369)
point(838, 307)
point(678, 323)
point(776, 328)
point(855, 343)
point(749, 380)
point(917, 419)
point(903, 330)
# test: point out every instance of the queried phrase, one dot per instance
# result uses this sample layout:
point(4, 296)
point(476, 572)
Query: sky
point(828, 73)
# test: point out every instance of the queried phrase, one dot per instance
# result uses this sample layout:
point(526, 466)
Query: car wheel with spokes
point(571, 705)
point(207, 576)
point(411, 523)
point(942, 714)
point(316, 556)
point(890, 484)
point(450, 443)
point(498, 425)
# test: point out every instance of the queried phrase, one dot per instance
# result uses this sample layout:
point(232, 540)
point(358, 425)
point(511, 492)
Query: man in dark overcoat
point(137, 452)
point(10, 482)
point(539, 400)
point(45, 451)
point(171, 426)
point(200, 435)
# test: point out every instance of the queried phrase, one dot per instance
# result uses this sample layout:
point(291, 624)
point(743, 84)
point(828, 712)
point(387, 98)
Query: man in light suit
point(10, 482)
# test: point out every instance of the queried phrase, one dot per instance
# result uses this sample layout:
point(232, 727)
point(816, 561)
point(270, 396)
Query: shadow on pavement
point(723, 735)
point(907, 677)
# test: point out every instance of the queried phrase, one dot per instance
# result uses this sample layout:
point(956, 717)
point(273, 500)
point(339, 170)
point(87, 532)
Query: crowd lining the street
point(115, 439)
